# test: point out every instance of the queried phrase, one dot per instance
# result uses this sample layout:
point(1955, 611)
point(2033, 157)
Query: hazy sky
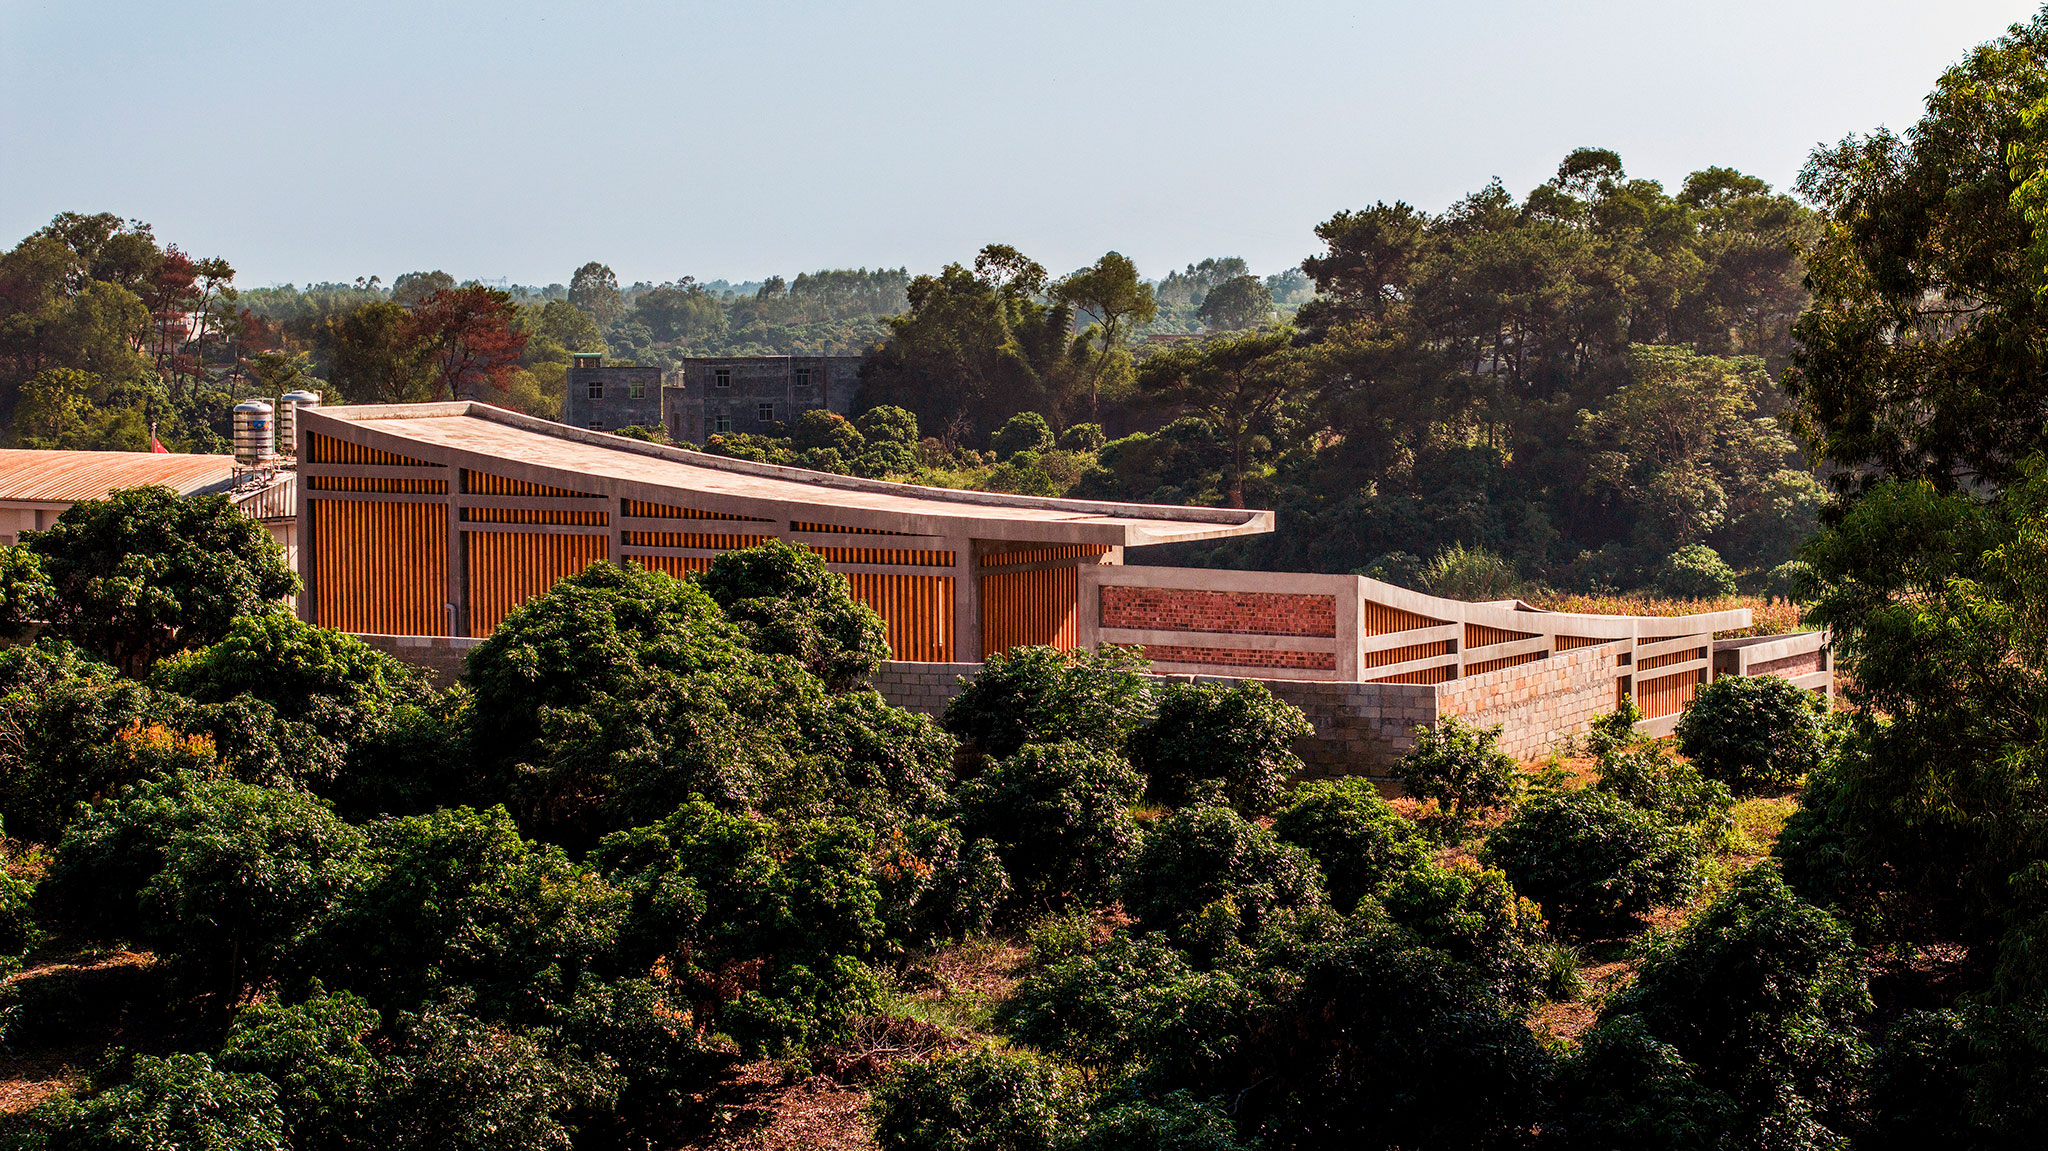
point(515, 139)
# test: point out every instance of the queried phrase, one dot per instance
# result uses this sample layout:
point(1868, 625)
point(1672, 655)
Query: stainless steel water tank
point(253, 443)
point(288, 407)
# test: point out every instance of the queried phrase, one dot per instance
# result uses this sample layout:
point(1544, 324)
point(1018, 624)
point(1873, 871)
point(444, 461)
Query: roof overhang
point(486, 438)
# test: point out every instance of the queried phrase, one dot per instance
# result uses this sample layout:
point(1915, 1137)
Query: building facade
point(605, 397)
point(755, 395)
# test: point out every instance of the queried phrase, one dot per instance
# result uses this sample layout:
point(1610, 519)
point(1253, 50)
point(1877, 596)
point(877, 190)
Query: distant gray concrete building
point(607, 398)
point(753, 394)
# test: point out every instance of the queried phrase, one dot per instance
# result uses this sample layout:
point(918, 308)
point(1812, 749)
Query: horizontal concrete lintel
point(1233, 640)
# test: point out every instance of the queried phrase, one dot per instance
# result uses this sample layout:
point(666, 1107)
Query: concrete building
point(606, 397)
point(424, 525)
point(755, 394)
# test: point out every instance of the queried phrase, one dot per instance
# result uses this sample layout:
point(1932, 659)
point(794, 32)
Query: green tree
point(594, 290)
point(1110, 291)
point(1234, 382)
point(1752, 732)
point(144, 573)
point(1916, 359)
point(1058, 816)
point(1210, 741)
point(1236, 304)
point(376, 355)
point(787, 602)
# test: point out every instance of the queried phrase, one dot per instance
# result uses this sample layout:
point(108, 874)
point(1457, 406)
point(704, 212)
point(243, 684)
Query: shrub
point(981, 1101)
point(1023, 432)
point(1592, 859)
point(818, 429)
point(886, 458)
point(886, 424)
point(1095, 1006)
point(1475, 917)
point(1459, 572)
point(1762, 995)
point(1753, 732)
point(1178, 1122)
point(1058, 816)
point(1209, 878)
point(1082, 438)
point(1043, 695)
point(763, 925)
point(1386, 1043)
point(318, 1053)
point(167, 1104)
point(1695, 571)
point(1649, 777)
point(457, 901)
point(789, 603)
point(225, 879)
point(451, 1081)
point(1460, 767)
point(147, 573)
point(1361, 843)
point(1208, 740)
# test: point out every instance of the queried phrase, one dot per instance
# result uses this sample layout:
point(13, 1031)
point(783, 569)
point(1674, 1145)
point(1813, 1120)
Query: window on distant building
point(767, 413)
point(636, 390)
point(721, 377)
point(724, 422)
point(801, 377)
point(597, 425)
point(596, 390)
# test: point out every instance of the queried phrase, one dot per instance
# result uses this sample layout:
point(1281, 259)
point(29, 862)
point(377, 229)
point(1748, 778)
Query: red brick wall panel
point(1236, 657)
point(1231, 612)
point(1789, 666)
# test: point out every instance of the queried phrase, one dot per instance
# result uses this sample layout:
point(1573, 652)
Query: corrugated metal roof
point(29, 476)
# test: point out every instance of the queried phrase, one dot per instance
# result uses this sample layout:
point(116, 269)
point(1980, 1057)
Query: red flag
point(156, 445)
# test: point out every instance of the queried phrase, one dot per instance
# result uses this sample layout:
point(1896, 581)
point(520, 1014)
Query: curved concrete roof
point(504, 442)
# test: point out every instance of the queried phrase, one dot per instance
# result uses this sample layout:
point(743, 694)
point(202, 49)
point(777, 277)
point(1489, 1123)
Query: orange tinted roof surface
point(31, 476)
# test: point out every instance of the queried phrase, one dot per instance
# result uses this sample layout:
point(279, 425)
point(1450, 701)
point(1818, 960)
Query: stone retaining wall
point(1538, 704)
point(439, 656)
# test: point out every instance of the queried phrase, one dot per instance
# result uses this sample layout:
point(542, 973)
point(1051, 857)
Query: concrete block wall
point(1537, 704)
point(925, 688)
point(439, 656)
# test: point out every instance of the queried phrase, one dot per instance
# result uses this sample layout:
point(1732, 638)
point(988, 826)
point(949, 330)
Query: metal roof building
point(37, 486)
point(439, 519)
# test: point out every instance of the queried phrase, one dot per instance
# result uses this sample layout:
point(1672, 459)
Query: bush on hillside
point(787, 602)
point(1023, 432)
point(1753, 733)
point(1356, 837)
point(1210, 740)
point(1460, 767)
point(1044, 695)
point(1695, 571)
point(1209, 878)
point(1059, 817)
point(1592, 859)
point(1751, 1012)
point(984, 1100)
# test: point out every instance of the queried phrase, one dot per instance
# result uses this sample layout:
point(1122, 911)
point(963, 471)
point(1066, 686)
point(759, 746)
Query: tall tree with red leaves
point(468, 338)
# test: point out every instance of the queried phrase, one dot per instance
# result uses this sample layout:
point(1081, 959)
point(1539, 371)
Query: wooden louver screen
point(533, 516)
point(380, 568)
point(508, 568)
point(1047, 554)
point(486, 484)
point(1379, 619)
point(918, 610)
point(644, 510)
point(376, 484)
point(328, 450)
point(1667, 695)
point(1035, 607)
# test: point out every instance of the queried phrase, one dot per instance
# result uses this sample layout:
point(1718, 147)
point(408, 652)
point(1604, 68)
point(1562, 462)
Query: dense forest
point(662, 870)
